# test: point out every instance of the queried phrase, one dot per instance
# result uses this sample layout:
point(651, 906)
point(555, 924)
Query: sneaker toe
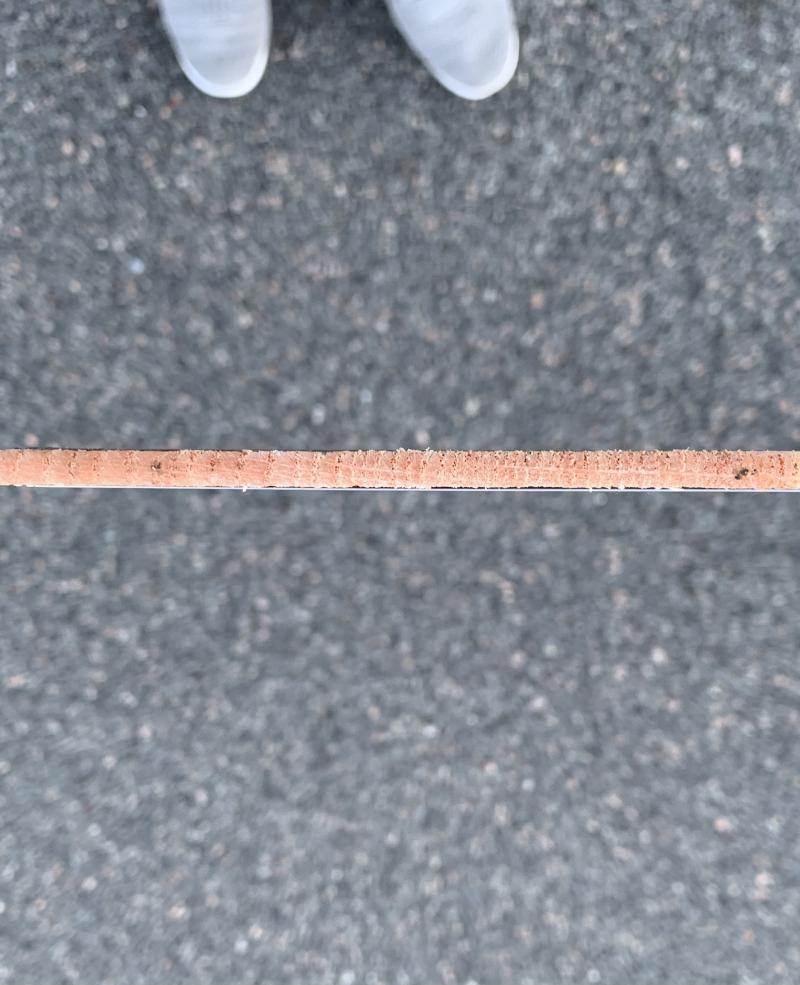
point(226, 54)
point(485, 64)
point(472, 47)
point(219, 71)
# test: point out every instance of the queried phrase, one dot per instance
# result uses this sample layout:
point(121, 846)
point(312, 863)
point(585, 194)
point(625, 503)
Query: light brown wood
point(727, 470)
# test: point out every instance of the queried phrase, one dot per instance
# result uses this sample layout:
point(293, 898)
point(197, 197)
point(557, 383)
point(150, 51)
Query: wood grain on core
point(759, 470)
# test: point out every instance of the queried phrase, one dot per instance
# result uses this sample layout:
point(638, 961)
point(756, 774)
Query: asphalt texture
point(403, 738)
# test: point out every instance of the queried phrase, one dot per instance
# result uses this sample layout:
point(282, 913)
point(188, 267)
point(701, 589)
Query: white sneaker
point(221, 45)
point(470, 46)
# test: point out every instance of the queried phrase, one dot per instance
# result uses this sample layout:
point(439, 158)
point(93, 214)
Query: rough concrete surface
point(418, 737)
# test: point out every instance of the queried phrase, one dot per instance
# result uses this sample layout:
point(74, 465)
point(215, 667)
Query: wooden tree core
point(724, 470)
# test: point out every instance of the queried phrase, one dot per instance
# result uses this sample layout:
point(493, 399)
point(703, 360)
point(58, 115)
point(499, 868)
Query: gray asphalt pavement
point(414, 738)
